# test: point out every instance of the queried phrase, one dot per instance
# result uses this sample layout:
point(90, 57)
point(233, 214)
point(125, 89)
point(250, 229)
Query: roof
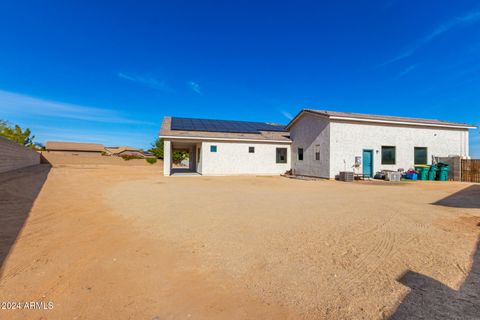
point(335, 115)
point(233, 126)
point(211, 131)
point(121, 149)
point(73, 146)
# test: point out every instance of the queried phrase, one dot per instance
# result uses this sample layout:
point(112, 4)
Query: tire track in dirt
point(376, 256)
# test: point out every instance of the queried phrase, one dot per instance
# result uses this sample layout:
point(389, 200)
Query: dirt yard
point(127, 243)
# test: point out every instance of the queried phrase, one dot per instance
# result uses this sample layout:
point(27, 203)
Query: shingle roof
point(379, 118)
point(73, 146)
point(167, 131)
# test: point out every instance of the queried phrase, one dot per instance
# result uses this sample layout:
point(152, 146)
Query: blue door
point(367, 163)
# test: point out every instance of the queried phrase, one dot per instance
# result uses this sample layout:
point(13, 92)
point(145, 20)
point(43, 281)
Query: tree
point(3, 124)
point(16, 134)
point(157, 150)
point(178, 156)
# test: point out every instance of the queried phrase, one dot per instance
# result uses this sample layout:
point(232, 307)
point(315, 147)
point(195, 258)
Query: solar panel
point(188, 124)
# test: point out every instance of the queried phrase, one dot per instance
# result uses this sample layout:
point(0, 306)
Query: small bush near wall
point(126, 157)
point(151, 160)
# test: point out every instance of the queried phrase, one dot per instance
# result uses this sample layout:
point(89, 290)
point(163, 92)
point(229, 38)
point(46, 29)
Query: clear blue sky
point(108, 72)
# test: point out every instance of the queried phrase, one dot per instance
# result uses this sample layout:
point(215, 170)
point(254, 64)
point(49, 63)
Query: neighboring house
point(74, 148)
point(315, 143)
point(127, 151)
point(218, 147)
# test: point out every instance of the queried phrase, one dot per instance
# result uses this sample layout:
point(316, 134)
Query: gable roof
point(73, 146)
point(225, 130)
point(362, 117)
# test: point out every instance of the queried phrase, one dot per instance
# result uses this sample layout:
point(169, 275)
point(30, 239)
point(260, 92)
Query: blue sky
point(108, 72)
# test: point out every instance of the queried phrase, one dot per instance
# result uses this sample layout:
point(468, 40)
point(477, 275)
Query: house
point(74, 148)
point(127, 151)
point(325, 143)
point(221, 147)
point(315, 143)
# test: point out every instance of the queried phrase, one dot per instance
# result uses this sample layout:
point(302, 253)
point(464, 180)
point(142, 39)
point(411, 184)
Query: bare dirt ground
point(128, 243)
point(59, 160)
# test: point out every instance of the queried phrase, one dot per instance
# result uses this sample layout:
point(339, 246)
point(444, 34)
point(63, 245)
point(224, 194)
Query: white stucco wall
point(167, 154)
point(233, 158)
point(348, 139)
point(198, 154)
point(311, 132)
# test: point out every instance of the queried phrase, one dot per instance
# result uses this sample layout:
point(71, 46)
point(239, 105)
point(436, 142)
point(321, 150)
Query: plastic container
point(411, 176)
point(422, 172)
point(442, 174)
point(432, 173)
point(393, 176)
point(442, 177)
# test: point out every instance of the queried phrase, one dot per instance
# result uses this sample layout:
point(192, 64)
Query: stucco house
point(327, 142)
point(315, 143)
point(220, 147)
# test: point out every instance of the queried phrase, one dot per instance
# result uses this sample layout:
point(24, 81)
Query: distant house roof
point(73, 146)
point(121, 149)
point(184, 128)
point(381, 119)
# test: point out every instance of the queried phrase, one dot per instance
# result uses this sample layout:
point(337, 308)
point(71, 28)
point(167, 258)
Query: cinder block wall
point(455, 172)
point(14, 156)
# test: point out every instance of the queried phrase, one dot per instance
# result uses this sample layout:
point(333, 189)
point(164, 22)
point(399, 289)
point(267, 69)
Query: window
point(300, 154)
point(251, 149)
point(420, 155)
point(213, 148)
point(388, 155)
point(281, 155)
point(317, 152)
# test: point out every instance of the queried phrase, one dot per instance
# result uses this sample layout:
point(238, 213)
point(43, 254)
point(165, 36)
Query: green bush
point(151, 160)
point(127, 157)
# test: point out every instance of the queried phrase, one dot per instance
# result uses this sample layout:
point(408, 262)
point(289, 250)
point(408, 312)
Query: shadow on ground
point(18, 191)
point(431, 299)
point(465, 198)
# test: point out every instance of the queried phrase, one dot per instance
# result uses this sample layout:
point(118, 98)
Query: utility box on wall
point(358, 161)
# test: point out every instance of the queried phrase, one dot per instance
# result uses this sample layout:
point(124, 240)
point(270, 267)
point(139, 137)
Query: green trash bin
point(422, 172)
point(432, 173)
point(442, 174)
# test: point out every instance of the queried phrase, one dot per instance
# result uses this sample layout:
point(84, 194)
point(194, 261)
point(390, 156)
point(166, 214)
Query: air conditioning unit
point(346, 176)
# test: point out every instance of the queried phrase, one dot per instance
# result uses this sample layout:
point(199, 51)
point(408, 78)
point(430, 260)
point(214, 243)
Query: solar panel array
point(187, 124)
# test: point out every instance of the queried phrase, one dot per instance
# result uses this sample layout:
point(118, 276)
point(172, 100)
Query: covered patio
point(178, 168)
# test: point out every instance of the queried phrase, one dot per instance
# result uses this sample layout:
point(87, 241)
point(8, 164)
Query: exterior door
point(367, 163)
